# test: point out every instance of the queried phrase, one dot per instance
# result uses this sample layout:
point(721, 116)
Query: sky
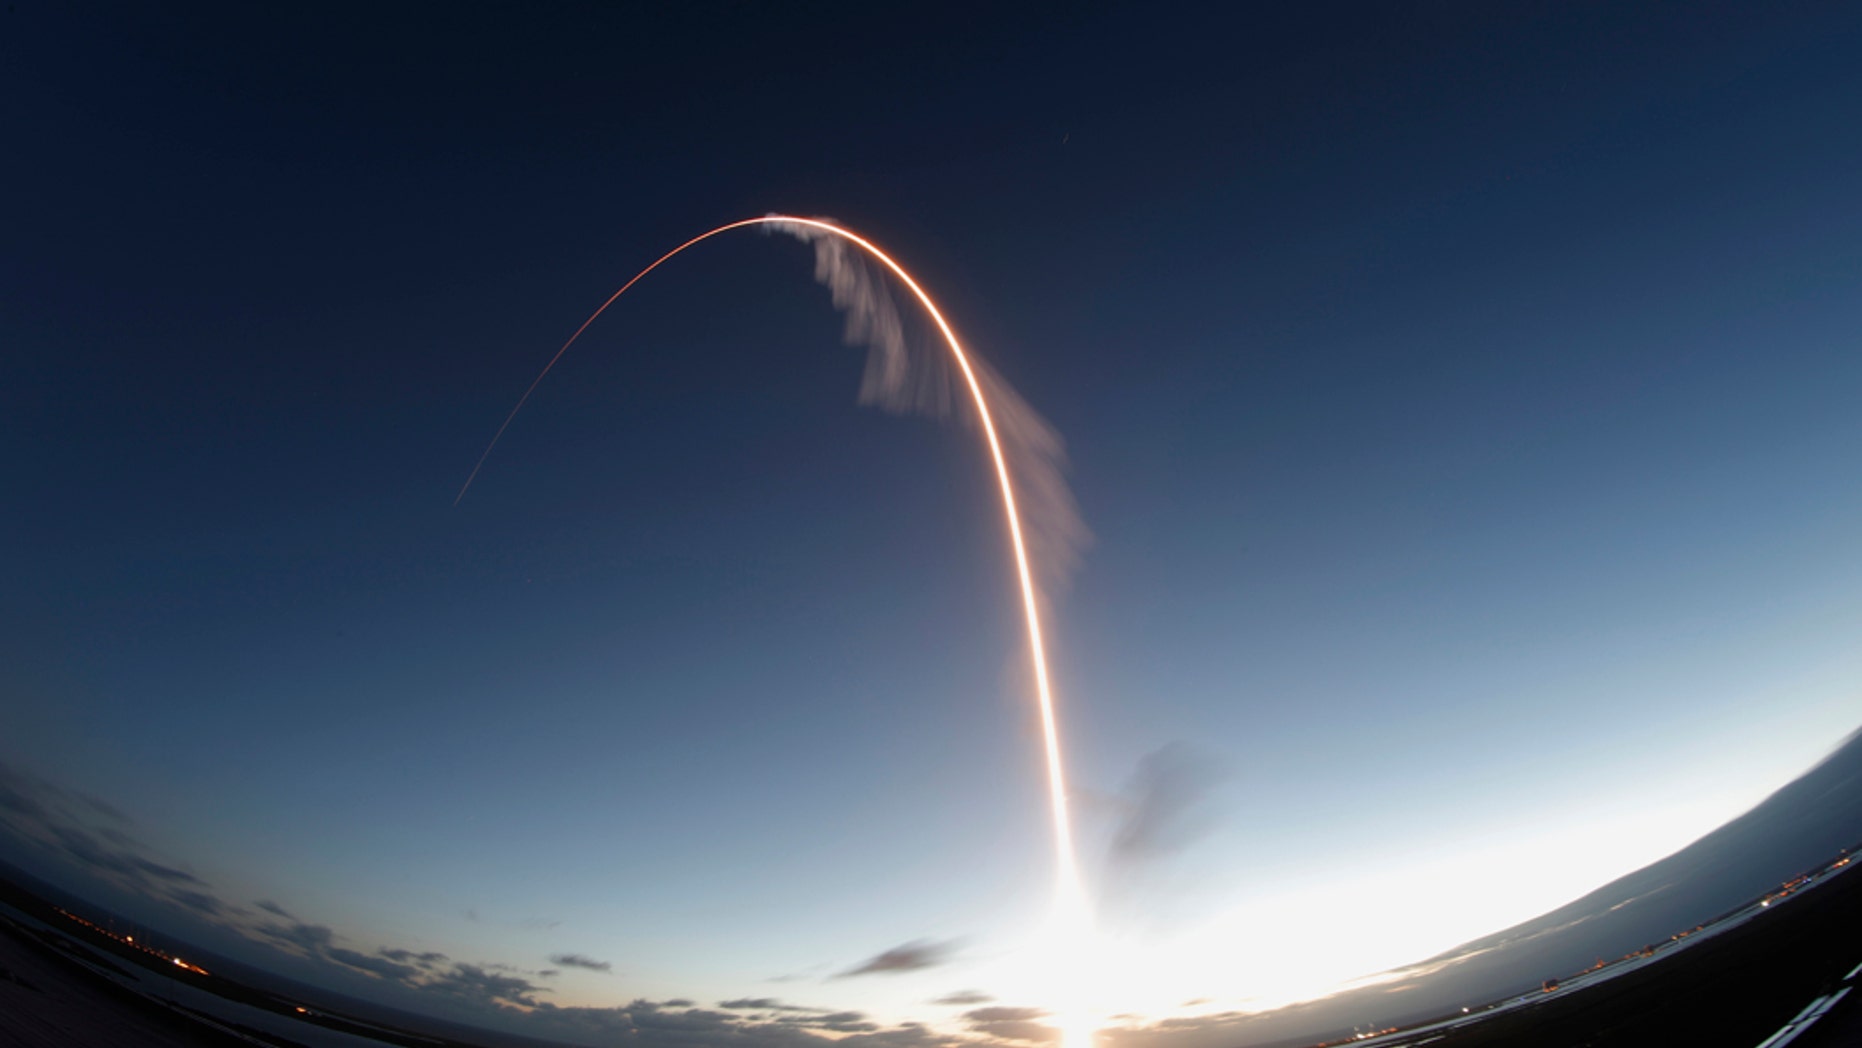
point(1461, 399)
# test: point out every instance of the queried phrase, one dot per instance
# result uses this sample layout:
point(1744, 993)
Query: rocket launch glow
point(1071, 926)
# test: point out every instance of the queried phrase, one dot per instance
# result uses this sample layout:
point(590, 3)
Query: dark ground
point(48, 999)
point(1734, 989)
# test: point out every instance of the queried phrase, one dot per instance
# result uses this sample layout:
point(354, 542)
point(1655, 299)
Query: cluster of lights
point(130, 940)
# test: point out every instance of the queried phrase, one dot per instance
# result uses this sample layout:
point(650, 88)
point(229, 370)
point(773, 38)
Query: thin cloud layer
point(576, 960)
point(1012, 1024)
point(1166, 802)
point(911, 957)
point(88, 833)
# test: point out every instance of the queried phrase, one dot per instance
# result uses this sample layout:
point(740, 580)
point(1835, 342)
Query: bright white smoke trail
point(1026, 454)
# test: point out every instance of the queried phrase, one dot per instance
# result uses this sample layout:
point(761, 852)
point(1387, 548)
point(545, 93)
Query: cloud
point(122, 863)
point(300, 938)
point(19, 795)
point(273, 908)
point(911, 957)
point(678, 1023)
point(477, 986)
point(101, 807)
point(1165, 809)
point(763, 1003)
point(576, 960)
point(843, 1022)
point(87, 832)
point(474, 983)
point(964, 997)
point(1012, 1024)
point(378, 966)
point(904, 1035)
point(199, 902)
point(165, 873)
point(1000, 1014)
point(425, 959)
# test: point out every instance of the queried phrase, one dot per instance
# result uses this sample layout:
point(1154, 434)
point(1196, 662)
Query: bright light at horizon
point(1350, 927)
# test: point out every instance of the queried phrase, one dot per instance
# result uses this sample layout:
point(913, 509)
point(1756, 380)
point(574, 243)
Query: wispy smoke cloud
point(1167, 806)
point(905, 377)
point(1166, 802)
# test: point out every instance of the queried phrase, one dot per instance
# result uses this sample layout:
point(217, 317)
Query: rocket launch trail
point(1071, 918)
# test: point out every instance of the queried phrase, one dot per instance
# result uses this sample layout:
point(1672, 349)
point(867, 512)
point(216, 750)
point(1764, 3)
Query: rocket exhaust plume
point(1028, 461)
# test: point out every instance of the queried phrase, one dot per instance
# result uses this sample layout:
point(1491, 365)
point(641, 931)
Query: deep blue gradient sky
point(1464, 401)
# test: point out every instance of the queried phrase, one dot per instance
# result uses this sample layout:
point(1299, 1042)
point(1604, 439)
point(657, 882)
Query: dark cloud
point(19, 794)
point(273, 908)
point(911, 957)
point(378, 966)
point(782, 1013)
point(1018, 1030)
point(763, 1003)
point(843, 1022)
point(89, 833)
point(425, 959)
point(576, 960)
point(1011, 1024)
point(1000, 1014)
point(102, 807)
point(964, 997)
point(651, 1025)
point(126, 864)
point(165, 873)
point(199, 902)
point(905, 1035)
point(298, 937)
point(473, 983)
point(750, 1022)
point(1165, 809)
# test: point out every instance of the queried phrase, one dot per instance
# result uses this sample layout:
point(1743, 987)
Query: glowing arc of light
point(1071, 893)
